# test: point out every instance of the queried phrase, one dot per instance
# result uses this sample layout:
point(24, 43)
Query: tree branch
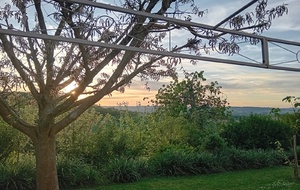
point(8, 48)
point(10, 117)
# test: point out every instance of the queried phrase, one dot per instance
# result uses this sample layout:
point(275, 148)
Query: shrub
point(213, 143)
point(12, 142)
point(207, 163)
point(76, 140)
point(293, 120)
point(75, 173)
point(257, 132)
point(236, 159)
point(15, 176)
point(123, 170)
point(181, 160)
point(7, 137)
point(164, 130)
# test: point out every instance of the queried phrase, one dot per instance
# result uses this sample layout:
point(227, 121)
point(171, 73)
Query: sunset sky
point(241, 85)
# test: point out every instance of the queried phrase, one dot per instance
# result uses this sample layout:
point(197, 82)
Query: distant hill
point(236, 111)
point(133, 108)
point(244, 111)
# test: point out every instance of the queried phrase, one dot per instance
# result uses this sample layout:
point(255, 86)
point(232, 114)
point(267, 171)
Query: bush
point(257, 132)
point(122, 170)
point(181, 160)
point(8, 140)
point(76, 140)
point(236, 159)
point(15, 176)
point(213, 143)
point(164, 130)
point(75, 173)
point(293, 120)
point(207, 163)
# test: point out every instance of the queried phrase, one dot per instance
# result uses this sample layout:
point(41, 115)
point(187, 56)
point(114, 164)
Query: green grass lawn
point(279, 178)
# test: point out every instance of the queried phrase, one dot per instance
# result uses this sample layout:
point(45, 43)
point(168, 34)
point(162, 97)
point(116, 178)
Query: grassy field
point(279, 178)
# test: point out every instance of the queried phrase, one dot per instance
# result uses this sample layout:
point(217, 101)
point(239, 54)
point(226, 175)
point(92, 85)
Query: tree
point(294, 121)
point(192, 98)
point(47, 69)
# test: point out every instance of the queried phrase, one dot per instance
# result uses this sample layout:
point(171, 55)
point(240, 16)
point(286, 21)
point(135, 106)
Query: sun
point(70, 87)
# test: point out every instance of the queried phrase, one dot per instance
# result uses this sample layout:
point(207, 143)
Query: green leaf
point(297, 104)
point(288, 99)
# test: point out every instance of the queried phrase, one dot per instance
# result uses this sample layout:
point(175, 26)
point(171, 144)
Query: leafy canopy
point(192, 98)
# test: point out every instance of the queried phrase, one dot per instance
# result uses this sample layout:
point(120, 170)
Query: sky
point(241, 85)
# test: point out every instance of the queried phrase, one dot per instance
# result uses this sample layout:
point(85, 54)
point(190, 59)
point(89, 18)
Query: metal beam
point(264, 40)
point(141, 50)
point(178, 21)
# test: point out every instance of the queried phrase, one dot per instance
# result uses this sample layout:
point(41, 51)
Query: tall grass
point(99, 149)
point(17, 175)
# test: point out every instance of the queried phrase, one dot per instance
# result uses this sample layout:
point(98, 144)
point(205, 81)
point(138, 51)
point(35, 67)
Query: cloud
point(133, 96)
point(243, 86)
point(2, 2)
point(257, 87)
point(289, 22)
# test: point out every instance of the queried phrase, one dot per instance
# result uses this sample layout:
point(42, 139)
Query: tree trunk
point(46, 171)
point(296, 168)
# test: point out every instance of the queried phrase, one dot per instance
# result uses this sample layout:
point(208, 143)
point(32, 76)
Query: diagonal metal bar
point(235, 13)
point(147, 51)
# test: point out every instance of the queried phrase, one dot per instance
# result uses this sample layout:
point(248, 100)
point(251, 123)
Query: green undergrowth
point(276, 178)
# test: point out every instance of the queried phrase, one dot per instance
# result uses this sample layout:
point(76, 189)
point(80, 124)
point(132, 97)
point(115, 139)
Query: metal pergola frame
point(264, 40)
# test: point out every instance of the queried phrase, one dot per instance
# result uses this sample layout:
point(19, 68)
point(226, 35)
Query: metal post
point(265, 52)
